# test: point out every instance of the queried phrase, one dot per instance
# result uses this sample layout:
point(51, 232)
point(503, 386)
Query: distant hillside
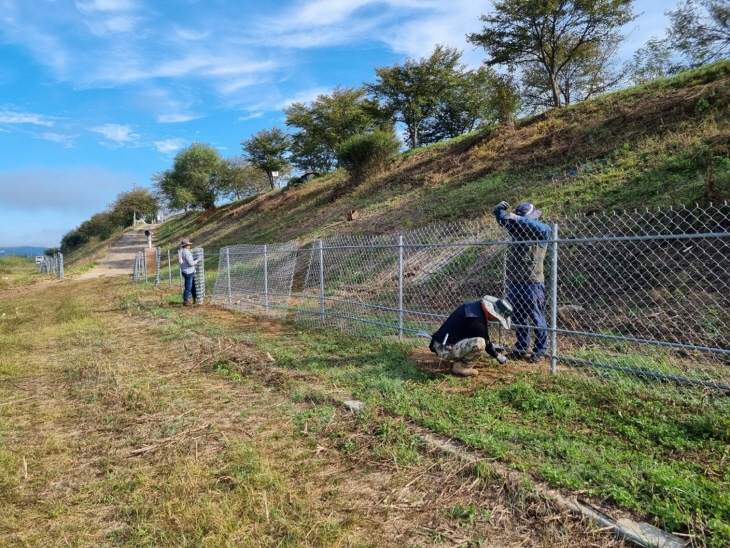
point(662, 144)
point(31, 251)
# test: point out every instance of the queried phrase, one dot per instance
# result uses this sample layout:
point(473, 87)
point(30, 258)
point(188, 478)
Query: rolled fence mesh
point(256, 278)
point(52, 265)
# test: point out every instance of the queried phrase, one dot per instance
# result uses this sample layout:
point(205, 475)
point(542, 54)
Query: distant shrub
point(366, 155)
point(72, 240)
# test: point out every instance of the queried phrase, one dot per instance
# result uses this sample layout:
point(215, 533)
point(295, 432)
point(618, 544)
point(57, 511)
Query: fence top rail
point(654, 237)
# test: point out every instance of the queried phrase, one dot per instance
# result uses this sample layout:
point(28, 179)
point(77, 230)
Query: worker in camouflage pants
point(464, 336)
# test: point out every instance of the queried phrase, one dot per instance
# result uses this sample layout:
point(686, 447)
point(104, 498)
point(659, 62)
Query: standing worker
point(464, 336)
point(187, 267)
point(525, 273)
point(148, 233)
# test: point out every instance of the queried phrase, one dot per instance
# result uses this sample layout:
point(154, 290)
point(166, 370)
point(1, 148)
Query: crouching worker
point(464, 336)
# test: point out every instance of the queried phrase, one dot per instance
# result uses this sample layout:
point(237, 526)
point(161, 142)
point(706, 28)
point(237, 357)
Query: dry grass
point(125, 421)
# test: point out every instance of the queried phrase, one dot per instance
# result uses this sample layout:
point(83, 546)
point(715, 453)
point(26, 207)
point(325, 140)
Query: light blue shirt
point(187, 263)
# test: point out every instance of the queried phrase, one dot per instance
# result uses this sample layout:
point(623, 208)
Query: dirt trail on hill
point(119, 260)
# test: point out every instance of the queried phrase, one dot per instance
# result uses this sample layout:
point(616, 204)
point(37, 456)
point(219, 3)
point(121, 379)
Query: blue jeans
point(528, 301)
point(189, 286)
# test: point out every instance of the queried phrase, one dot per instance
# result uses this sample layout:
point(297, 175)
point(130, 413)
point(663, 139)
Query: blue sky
point(96, 95)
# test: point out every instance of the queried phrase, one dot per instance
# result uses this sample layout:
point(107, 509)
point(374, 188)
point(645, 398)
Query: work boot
point(536, 358)
point(463, 370)
point(186, 302)
point(517, 355)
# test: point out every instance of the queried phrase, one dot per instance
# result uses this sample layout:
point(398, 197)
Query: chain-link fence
point(639, 300)
point(52, 265)
point(256, 278)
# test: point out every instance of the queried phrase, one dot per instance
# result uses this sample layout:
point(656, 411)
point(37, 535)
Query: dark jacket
point(466, 322)
point(525, 260)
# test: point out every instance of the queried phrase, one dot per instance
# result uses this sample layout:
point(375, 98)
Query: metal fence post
point(266, 282)
point(60, 266)
point(400, 286)
point(321, 279)
point(169, 268)
point(144, 265)
point(158, 253)
point(554, 301)
point(228, 274)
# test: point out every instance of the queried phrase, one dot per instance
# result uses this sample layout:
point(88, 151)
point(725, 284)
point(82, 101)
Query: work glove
point(501, 358)
point(502, 205)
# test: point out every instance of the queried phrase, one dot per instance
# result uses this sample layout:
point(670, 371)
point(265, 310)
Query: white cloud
point(119, 134)
point(87, 6)
point(170, 145)
point(66, 140)
point(191, 35)
point(176, 118)
point(11, 117)
point(258, 114)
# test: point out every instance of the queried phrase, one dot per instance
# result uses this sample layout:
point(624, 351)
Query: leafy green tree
point(700, 30)
point(267, 151)
point(139, 202)
point(550, 34)
point(591, 71)
point(414, 92)
point(466, 106)
point(240, 179)
point(100, 225)
point(325, 123)
point(193, 180)
point(503, 99)
point(654, 60)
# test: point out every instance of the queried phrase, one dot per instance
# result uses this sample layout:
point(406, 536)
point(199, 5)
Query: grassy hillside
point(662, 144)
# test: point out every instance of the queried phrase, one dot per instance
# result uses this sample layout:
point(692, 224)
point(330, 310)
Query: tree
point(549, 34)
point(267, 151)
point(590, 72)
point(325, 123)
point(139, 202)
point(464, 108)
point(414, 92)
point(650, 62)
point(241, 179)
point(503, 99)
point(100, 225)
point(700, 30)
point(194, 178)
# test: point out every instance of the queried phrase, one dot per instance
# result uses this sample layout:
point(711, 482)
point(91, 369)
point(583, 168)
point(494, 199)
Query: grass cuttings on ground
point(126, 420)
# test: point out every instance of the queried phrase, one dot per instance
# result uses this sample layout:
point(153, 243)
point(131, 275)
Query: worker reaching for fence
point(526, 277)
point(187, 268)
point(464, 336)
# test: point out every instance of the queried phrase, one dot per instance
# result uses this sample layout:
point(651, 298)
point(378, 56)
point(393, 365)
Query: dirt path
point(119, 261)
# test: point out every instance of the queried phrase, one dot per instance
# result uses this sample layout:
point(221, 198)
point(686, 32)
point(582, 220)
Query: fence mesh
point(643, 299)
point(256, 278)
point(636, 299)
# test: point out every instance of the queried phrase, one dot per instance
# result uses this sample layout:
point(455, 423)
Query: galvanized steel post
point(169, 268)
point(321, 278)
point(554, 301)
point(60, 266)
point(266, 282)
point(228, 275)
point(400, 286)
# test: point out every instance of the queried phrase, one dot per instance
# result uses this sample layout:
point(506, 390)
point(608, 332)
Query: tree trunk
point(555, 89)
